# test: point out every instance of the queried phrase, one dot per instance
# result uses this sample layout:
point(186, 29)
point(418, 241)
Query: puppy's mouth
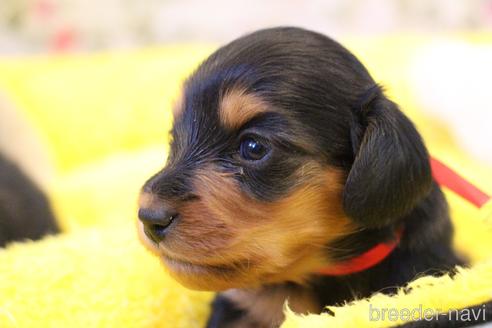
point(180, 265)
point(185, 267)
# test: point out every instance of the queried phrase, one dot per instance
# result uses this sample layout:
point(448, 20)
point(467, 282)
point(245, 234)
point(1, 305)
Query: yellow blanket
point(104, 120)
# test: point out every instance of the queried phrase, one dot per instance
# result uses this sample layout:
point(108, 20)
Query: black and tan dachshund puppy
point(292, 176)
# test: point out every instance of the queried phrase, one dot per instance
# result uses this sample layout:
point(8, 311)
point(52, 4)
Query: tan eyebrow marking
point(237, 107)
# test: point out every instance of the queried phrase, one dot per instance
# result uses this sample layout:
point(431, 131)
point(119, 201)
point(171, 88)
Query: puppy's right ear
point(391, 171)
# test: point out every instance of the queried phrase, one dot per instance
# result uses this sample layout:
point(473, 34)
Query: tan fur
point(228, 240)
point(237, 107)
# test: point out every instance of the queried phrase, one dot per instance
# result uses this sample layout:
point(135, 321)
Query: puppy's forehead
point(234, 108)
point(222, 99)
point(222, 93)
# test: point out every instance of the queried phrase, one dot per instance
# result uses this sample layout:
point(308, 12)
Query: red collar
point(445, 177)
point(448, 178)
point(364, 261)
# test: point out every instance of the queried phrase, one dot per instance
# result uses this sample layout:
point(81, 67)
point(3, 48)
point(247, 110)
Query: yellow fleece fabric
point(104, 119)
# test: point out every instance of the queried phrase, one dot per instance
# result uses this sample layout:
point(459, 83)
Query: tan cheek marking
point(237, 107)
point(224, 198)
point(314, 216)
point(284, 240)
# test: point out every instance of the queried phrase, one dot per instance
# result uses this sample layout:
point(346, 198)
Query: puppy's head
point(281, 145)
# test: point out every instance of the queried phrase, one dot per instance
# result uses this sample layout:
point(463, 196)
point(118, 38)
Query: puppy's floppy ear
point(391, 170)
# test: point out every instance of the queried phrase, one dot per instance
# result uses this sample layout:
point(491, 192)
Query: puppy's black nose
point(157, 221)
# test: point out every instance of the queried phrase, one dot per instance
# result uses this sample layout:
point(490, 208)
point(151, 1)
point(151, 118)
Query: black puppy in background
point(25, 212)
point(287, 160)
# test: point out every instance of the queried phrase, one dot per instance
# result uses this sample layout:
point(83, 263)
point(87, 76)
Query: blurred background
point(34, 26)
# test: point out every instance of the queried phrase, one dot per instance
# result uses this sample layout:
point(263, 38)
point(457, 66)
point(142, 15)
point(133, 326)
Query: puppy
point(292, 177)
point(25, 212)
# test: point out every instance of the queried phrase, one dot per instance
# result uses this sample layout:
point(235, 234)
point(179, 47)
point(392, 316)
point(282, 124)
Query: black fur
point(323, 95)
point(25, 212)
point(225, 313)
point(391, 171)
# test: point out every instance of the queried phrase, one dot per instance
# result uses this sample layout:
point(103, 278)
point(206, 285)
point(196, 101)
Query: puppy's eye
point(252, 149)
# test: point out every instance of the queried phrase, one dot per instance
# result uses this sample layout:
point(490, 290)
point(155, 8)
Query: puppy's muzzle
point(157, 221)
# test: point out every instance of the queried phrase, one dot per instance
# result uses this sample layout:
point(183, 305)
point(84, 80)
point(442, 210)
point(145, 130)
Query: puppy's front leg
point(225, 314)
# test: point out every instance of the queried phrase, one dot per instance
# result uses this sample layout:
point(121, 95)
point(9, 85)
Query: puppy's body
point(287, 158)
